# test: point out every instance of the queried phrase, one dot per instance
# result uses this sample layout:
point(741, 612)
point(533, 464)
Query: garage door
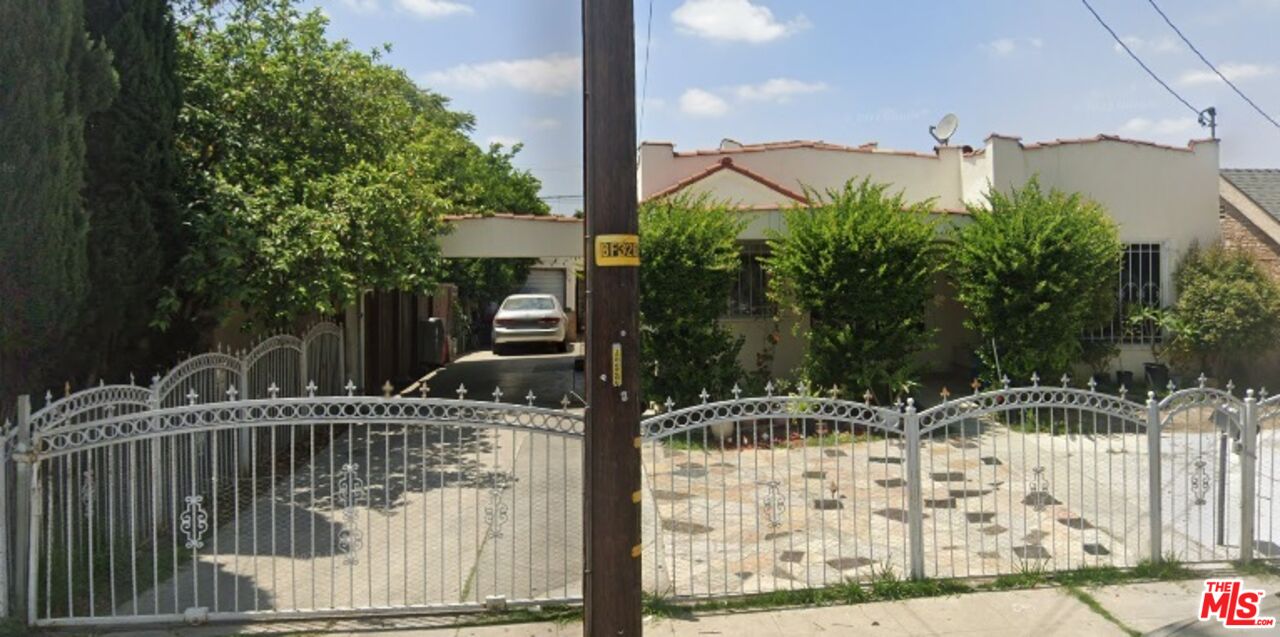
point(545, 281)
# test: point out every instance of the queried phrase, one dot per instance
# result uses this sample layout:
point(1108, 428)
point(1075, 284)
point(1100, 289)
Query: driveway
point(550, 376)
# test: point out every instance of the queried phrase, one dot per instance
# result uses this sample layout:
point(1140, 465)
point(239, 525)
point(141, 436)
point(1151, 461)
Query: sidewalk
point(1157, 608)
point(1161, 609)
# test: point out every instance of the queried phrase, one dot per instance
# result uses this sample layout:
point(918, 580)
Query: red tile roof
point(726, 163)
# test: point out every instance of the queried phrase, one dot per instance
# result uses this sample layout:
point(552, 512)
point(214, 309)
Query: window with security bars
point(1137, 287)
point(749, 297)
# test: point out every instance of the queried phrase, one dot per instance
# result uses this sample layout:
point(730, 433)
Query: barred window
point(749, 297)
point(1138, 286)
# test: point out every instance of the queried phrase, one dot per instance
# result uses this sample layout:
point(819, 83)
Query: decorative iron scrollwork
point(773, 504)
point(1201, 481)
point(495, 512)
point(350, 493)
point(194, 521)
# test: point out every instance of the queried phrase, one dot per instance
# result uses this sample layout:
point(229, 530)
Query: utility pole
point(611, 509)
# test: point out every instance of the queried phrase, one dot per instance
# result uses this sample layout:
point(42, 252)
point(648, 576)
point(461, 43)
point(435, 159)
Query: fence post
point(915, 502)
point(1153, 467)
point(23, 502)
point(1248, 476)
point(244, 441)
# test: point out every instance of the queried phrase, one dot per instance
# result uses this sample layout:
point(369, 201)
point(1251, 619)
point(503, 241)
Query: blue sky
point(844, 71)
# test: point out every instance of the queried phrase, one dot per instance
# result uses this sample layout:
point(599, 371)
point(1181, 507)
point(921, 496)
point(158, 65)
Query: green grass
point(1256, 568)
point(1093, 604)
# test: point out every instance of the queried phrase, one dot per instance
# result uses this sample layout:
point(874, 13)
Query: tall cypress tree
point(130, 184)
point(51, 77)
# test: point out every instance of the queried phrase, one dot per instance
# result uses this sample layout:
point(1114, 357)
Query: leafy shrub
point(1034, 271)
point(1228, 310)
point(860, 263)
point(690, 264)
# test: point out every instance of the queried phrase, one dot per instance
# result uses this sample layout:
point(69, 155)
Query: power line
point(644, 87)
point(1211, 66)
point(1138, 59)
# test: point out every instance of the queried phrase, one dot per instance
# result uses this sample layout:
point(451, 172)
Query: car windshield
point(530, 303)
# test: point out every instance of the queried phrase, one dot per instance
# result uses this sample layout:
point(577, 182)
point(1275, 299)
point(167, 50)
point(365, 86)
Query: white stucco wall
point(510, 236)
point(1156, 194)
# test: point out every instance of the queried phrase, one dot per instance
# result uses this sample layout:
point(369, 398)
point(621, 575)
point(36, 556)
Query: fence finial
point(835, 392)
point(1035, 379)
point(737, 391)
point(48, 397)
point(424, 389)
point(131, 381)
point(1248, 393)
point(1172, 387)
point(350, 387)
point(311, 389)
point(1231, 386)
point(1093, 384)
point(497, 394)
point(768, 389)
point(1066, 380)
point(192, 396)
point(1004, 380)
point(704, 395)
point(1201, 380)
point(868, 396)
point(273, 390)
point(1262, 393)
point(529, 398)
point(232, 392)
point(670, 404)
point(976, 385)
point(564, 402)
point(461, 391)
point(387, 388)
point(1124, 391)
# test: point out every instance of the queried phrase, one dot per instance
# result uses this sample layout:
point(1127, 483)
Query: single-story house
point(1250, 213)
point(1163, 198)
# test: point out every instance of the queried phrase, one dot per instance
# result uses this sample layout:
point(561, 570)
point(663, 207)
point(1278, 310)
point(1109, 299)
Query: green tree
point(1227, 314)
point(52, 76)
point(130, 186)
point(861, 263)
point(689, 266)
point(1035, 270)
point(315, 171)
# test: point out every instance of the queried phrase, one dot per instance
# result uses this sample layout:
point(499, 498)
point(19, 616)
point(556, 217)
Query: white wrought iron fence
point(240, 507)
point(753, 495)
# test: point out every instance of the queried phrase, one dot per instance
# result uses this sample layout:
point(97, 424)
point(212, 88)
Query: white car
point(530, 318)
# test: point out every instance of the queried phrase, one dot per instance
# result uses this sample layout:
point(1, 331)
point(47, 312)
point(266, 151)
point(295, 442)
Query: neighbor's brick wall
point(1239, 232)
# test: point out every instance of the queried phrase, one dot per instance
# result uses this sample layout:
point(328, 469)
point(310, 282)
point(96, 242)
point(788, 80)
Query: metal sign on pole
point(611, 509)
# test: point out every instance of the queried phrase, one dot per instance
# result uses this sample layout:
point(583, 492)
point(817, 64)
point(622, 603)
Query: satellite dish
point(945, 128)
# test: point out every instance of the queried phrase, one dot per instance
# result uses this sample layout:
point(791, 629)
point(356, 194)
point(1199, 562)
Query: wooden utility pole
point(612, 507)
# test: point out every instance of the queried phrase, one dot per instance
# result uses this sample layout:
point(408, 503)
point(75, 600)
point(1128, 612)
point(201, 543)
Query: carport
point(393, 335)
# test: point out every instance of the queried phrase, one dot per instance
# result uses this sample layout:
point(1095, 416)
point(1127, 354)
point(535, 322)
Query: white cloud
point(734, 20)
point(1001, 47)
point(778, 89)
point(544, 123)
point(1234, 72)
point(1163, 126)
point(361, 6)
point(556, 74)
point(1138, 44)
point(700, 103)
point(505, 140)
point(432, 9)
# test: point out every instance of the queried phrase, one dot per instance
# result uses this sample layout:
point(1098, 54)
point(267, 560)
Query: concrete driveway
point(550, 376)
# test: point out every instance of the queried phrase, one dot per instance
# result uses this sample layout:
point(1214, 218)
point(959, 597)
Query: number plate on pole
point(617, 250)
